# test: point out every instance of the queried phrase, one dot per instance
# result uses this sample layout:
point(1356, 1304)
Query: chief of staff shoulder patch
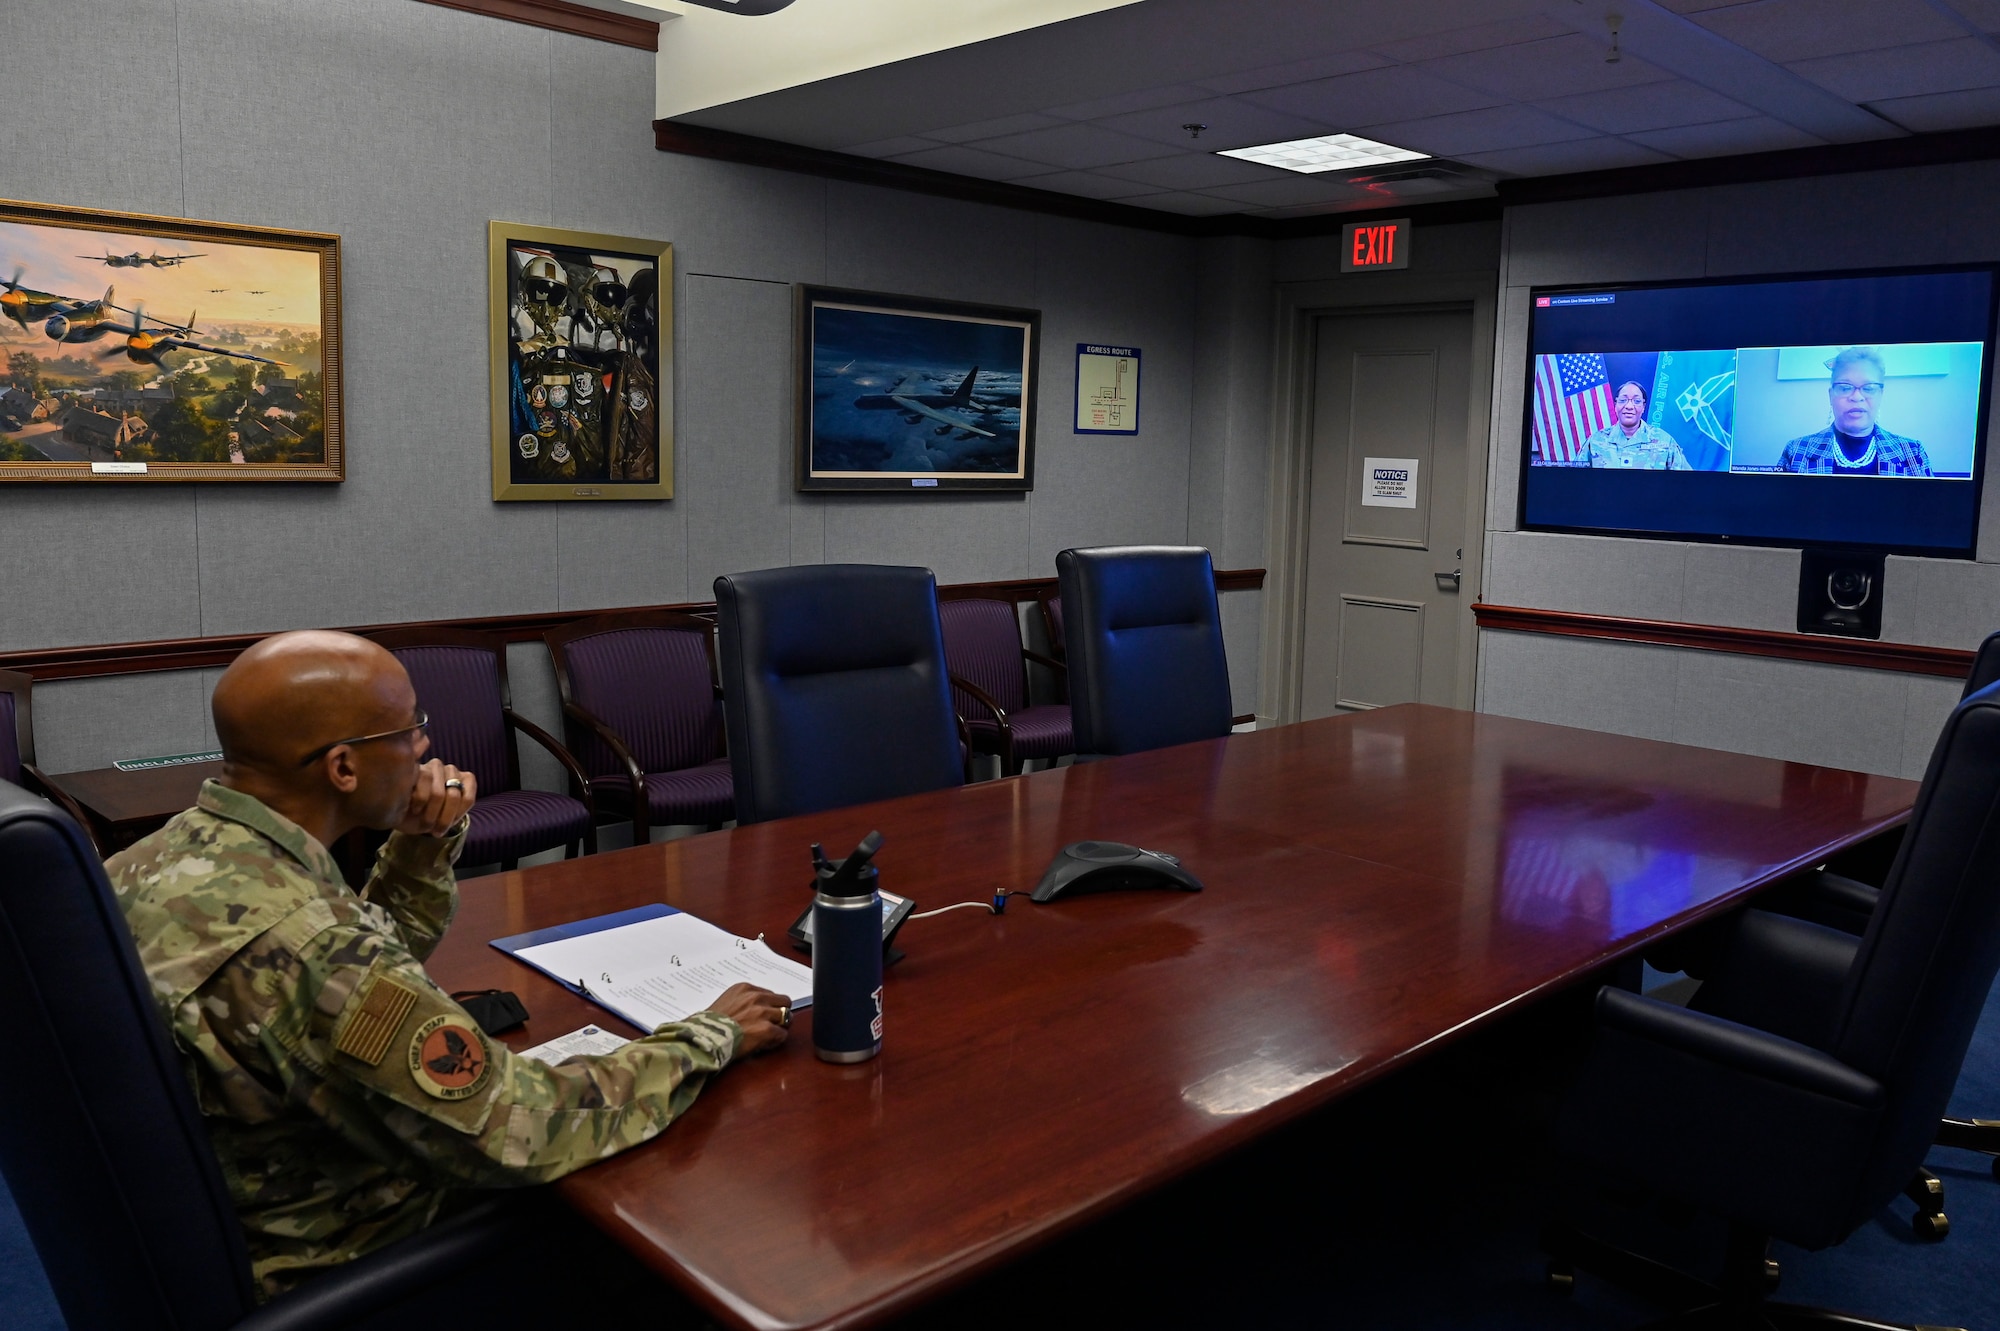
point(448, 1058)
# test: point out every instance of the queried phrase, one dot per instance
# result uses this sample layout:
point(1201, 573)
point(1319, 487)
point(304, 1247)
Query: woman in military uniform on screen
point(1852, 444)
point(1631, 441)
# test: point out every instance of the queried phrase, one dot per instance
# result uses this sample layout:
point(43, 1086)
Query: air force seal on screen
point(448, 1058)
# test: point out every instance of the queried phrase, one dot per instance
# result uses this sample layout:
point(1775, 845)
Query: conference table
point(1377, 884)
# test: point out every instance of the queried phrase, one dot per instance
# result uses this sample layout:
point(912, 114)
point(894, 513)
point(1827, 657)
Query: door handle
point(1454, 576)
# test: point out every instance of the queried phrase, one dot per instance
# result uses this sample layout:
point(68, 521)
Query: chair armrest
point(35, 780)
point(1049, 661)
point(1735, 1047)
point(582, 717)
point(348, 1294)
point(983, 698)
point(1780, 975)
point(1827, 898)
point(555, 750)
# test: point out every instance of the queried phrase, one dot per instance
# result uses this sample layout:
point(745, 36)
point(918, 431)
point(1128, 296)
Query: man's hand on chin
point(442, 795)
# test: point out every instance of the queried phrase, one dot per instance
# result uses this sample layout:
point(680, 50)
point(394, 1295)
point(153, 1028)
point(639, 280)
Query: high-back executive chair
point(644, 716)
point(1144, 648)
point(1804, 1092)
point(105, 1152)
point(17, 748)
point(461, 682)
point(835, 688)
point(989, 684)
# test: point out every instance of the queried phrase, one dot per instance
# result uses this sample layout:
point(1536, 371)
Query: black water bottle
point(847, 957)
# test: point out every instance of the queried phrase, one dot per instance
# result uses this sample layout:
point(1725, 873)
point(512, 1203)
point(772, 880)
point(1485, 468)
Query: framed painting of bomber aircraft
point(583, 372)
point(902, 394)
point(103, 381)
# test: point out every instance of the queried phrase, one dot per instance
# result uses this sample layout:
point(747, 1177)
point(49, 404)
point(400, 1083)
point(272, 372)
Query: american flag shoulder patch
point(372, 1029)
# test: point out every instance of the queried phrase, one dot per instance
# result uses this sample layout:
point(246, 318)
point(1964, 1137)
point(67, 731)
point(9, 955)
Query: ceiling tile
point(1142, 100)
point(1078, 147)
point(1194, 170)
point(1194, 205)
point(966, 161)
point(1232, 123)
point(1648, 106)
point(1968, 109)
point(1551, 68)
point(1087, 185)
point(1906, 71)
point(1293, 192)
point(1483, 37)
point(1477, 131)
point(1299, 71)
point(1554, 159)
point(1372, 97)
point(905, 143)
point(987, 129)
point(1754, 134)
point(1788, 30)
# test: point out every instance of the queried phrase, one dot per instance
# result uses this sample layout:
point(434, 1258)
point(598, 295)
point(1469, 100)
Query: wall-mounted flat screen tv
point(1817, 411)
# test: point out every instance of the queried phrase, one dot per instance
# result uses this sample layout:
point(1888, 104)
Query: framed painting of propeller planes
point(908, 395)
point(146, 349)
point(583, 375)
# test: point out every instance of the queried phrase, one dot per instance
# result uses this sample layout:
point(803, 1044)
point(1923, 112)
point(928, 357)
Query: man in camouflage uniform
point(345, 1094)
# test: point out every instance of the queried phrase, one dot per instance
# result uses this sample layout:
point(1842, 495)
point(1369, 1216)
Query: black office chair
point(106, 1155)
point(1144, 641)
point(1807, 1088)
point(834, 687)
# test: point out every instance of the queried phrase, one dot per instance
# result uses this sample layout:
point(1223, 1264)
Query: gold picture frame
point(110, 389)
point(582, 346)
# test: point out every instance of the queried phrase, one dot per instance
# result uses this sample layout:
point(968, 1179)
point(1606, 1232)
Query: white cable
point(986, 906)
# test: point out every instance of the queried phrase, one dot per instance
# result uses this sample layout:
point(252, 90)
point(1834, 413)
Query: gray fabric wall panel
point(1841, 222)
point(1931, 701)
point(1597, 685)
point(735, 428)
point(1955, 604)
point(109, 565)
point(1745, 587)
point(68, 61)
point(1590, 574)
point(532, 679)
point(1639, 238)
point(1510, 402)
point(86, 723)
point(963, 538)
point(913, 244)
point(1810, 713)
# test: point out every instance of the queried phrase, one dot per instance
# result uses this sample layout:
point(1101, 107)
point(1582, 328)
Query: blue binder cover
point(596, 924)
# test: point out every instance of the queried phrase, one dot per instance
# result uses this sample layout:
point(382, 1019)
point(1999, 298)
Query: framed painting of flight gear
point(906, 395)
point(103, 382)
point(582, 347)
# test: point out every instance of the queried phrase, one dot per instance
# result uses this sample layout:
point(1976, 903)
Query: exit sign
point(1367, 246)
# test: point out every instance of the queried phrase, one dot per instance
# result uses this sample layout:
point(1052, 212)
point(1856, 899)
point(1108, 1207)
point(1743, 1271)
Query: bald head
point(294, 692)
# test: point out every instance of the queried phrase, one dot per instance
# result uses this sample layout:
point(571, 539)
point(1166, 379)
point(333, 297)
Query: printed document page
point(668, 968)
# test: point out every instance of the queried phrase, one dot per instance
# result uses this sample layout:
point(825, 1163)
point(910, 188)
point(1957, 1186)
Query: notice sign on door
point(1389, 483)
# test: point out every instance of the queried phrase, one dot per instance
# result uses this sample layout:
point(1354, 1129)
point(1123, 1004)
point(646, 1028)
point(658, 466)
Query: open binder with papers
point(655, 964)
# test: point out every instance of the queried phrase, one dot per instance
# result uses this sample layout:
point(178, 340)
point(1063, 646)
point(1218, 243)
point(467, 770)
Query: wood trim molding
point(1862, 653)
point(677, 136)
point(557, 16)
point(139, 658)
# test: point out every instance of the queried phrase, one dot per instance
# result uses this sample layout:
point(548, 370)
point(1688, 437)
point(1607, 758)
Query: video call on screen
point(1837, 411)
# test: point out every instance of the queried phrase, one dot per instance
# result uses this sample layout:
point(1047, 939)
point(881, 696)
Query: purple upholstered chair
point(644, 715)
point(1050, 602)
point(989, 679)
point(461, 680)
point(17, 751)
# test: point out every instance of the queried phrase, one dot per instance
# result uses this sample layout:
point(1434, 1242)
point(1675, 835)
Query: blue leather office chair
point(1144, 643)
point(1803, 1090)
point(106, 1155)
point(834, 687)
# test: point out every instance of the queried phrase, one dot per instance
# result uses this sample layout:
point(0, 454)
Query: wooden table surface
point(129, 805)
point(1376, 883)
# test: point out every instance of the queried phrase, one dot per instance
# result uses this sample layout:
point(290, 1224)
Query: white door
point(1388, 510)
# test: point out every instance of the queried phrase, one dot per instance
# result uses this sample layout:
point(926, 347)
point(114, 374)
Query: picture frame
point(100, 382)
point(581, 338)
point(905, 394)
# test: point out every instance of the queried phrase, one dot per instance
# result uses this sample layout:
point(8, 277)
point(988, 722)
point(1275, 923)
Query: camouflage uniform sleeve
point(402, 1072)
point(413, 882)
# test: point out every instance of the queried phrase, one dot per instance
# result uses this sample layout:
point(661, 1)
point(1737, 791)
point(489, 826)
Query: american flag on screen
point(1572, 402)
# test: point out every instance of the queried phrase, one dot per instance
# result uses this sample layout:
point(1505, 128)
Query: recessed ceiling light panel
point(1329, 152)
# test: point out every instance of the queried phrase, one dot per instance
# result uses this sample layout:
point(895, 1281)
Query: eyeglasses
point(423, 720)
point(1841, 388)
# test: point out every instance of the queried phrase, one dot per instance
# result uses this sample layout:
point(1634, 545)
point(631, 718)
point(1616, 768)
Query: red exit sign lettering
point(1367, 246)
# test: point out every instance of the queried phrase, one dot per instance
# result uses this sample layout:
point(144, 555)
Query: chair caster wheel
point(1931, 1228)
point(1561, 1279)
